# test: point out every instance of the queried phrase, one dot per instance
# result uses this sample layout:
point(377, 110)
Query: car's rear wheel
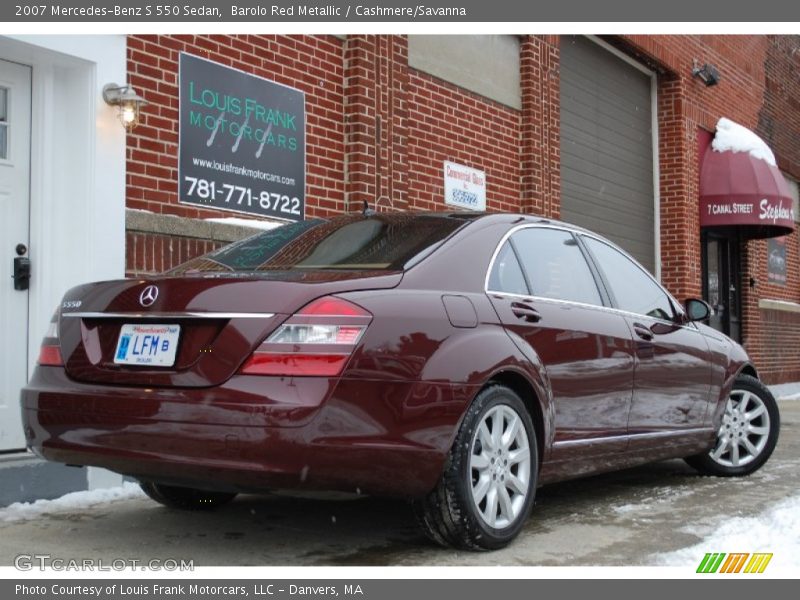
point(487, 489)
point(748, 432)
point(185, 498)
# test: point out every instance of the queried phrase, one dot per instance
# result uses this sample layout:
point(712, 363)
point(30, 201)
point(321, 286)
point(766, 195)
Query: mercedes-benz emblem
point(148, 295)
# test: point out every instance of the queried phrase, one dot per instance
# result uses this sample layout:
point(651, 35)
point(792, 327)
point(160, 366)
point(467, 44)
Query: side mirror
point(697, 310)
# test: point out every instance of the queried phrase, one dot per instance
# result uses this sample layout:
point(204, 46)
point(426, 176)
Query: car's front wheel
point(487, 489)
point(748, 432)
point(185, 498)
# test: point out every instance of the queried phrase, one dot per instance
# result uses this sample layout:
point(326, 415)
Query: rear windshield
point(391, 242)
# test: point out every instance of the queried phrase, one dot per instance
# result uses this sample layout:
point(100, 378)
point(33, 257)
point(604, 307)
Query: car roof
point(483, 216)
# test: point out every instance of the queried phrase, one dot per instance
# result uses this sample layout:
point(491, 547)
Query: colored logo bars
point(716, 562)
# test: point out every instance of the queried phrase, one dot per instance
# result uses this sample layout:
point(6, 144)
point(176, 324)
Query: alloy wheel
point(500, 466)
point(744, 431)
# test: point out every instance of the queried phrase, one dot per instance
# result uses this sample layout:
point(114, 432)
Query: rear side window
point(506, 275)
point(632, 288)
point(555, 266)
point(389, 242)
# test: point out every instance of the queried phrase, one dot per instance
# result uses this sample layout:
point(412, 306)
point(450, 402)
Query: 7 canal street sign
point(241, 142)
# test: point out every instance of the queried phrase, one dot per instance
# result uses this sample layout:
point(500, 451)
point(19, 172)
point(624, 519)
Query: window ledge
point(767, 304)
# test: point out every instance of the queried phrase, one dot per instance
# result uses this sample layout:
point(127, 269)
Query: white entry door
point(15, 157)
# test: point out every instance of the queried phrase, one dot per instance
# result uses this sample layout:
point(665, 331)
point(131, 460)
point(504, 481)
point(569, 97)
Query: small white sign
point(464, 187)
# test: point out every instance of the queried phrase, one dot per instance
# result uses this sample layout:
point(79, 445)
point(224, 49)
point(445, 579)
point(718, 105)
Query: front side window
point(633, 289)
point(555, 266)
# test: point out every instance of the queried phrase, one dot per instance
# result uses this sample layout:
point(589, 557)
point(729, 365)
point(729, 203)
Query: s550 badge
point(71, 303)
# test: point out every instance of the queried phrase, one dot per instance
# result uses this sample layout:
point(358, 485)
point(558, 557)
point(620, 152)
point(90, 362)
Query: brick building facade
point(379, 129)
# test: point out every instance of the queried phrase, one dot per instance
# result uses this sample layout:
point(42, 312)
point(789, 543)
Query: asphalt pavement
point(623, 518)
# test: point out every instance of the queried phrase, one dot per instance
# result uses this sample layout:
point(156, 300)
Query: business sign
point(464, 187)
point(730, 210)
point(241, 142)
point(776, 260)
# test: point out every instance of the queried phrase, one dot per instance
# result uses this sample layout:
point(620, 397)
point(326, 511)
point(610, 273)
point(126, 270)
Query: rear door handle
point(643, 331)
point(523, 311)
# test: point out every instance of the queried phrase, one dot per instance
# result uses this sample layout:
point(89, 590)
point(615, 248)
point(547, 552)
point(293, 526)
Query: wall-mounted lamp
point(125, 98)
point(708, 73)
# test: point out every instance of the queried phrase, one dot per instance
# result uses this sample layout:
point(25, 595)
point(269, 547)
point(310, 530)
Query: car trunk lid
point(222, 319)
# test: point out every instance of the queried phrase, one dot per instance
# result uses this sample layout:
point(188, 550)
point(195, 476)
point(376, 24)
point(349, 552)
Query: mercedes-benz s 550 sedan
point(457, 360)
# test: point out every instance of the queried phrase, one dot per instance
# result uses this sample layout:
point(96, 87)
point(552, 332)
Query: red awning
point(744, 194)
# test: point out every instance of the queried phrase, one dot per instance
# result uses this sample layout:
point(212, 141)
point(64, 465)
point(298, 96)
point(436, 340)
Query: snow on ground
point(786, 391)
point(732, 136)
point(252, 223)
point(25, 511)
point(662, 499)
point(775, 530)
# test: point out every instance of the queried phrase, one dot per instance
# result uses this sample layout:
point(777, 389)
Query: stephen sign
point(716, 211)
point(242, 142)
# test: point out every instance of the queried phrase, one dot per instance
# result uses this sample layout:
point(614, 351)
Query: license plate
point(149, 345)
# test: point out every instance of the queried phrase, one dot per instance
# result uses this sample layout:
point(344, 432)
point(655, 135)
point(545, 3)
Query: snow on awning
point(741, 188)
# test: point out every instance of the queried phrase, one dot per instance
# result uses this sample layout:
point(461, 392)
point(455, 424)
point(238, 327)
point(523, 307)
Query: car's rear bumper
point(251, 433)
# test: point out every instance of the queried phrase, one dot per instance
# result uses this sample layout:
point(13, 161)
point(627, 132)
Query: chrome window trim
point(633, 437)
point(620, 311)
point(168, 315)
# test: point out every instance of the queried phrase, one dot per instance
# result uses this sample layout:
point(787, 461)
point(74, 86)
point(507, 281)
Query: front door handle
point(643, 331)
point(523, 311)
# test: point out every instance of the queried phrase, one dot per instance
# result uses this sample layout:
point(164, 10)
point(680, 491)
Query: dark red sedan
point(459, 360)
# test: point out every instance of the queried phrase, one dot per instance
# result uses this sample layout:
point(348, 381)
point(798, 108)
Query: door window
point(632, 288)
point(506, 275)
point(721, 278)
point(555, 266)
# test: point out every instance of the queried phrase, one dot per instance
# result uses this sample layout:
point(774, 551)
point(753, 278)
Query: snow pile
point(25, 511)
point(776, 530)
point(732, 136)
point(786, 391)
point(252, 223)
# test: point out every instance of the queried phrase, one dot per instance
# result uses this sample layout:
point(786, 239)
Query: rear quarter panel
point(411, 339)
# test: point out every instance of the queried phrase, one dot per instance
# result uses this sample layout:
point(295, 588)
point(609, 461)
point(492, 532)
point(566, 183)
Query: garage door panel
point(600, 215)
point(624, 140)
point(583, 58)
point(610, 104)
point(612, 163)
point(628, 123)
point(607, 175)
point(617, 208)
point(607, 147)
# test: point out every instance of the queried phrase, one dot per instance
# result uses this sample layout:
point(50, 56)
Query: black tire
point(706, 464)
point(448, 515)
point(185, 498)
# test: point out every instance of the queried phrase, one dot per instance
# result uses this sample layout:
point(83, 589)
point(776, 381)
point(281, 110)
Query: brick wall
point(773, 338)
point(380, 131)
point(448, 123)
point(313, 64)
point(759, 88)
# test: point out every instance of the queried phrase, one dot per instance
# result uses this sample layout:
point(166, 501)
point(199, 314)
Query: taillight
point(316, 341)
point(50, 352)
